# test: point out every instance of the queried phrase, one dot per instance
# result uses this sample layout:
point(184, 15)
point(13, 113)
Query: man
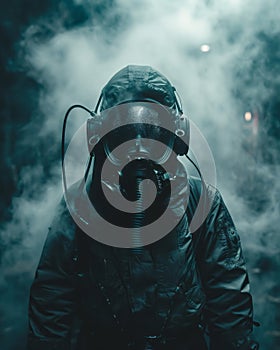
point(180, 290)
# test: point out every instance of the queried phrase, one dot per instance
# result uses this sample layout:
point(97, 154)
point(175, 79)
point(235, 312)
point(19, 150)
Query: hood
point(134, 82)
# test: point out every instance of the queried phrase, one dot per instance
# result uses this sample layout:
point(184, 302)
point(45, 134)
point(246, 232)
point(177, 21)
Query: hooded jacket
point(183, 280)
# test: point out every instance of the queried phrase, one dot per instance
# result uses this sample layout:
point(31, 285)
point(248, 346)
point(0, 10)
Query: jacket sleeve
point(52, 294)
point(228, 312)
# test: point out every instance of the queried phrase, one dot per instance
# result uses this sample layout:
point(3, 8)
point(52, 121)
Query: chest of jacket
point(153, 287)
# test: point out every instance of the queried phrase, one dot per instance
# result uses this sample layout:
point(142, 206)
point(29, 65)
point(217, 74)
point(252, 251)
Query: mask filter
point(142, 169)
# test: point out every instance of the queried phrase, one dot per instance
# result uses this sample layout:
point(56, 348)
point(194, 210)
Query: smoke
point(73, 62)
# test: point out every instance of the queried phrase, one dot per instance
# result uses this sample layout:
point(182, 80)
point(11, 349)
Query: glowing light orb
point(205, 48)
point(248, 116)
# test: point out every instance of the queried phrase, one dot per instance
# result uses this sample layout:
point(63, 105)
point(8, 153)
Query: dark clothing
point(191, 340)
point(99, 296)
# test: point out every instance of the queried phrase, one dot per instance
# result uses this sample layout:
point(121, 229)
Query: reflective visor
point(137, 130)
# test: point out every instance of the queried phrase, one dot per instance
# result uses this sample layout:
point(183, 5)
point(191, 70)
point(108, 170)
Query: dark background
point(247, 174)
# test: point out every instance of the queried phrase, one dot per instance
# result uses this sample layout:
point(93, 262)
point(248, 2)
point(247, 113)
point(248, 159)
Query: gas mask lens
point(138, 136)
point(139, 148)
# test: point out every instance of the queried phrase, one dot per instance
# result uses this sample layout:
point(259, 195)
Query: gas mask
point(138, 144)
point(135, 158)
point(147, 124)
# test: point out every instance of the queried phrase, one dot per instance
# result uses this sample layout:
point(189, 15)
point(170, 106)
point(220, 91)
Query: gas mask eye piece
point(146, 145)
point(145, 138)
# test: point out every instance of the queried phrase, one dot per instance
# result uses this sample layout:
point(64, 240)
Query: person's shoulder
point(63, 226)
point(197, 185)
